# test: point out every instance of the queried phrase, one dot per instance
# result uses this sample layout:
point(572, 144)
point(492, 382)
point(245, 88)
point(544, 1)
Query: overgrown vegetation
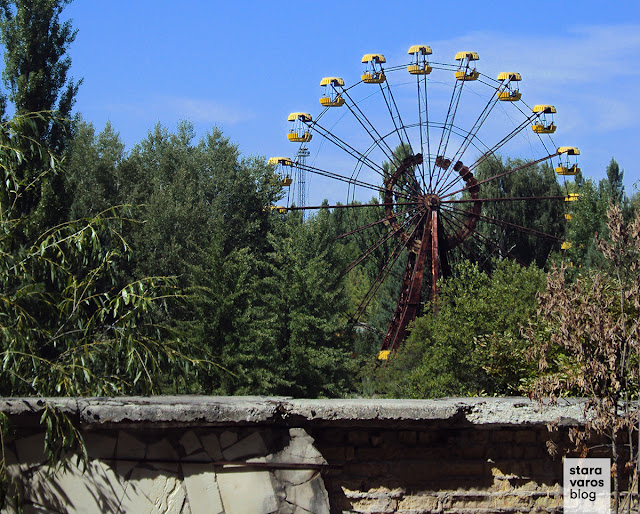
point(162, 270)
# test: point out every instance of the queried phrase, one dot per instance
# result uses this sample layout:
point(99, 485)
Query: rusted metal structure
point(430, 202)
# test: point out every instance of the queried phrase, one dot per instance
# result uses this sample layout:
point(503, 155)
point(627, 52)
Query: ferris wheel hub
point(431, 202)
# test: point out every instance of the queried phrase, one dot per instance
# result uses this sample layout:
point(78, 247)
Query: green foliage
point(472, 345)
point(545, 216)
point(279, 324)
point(93, 166)
point(36, 76)
point(589, 216)
point(37, 65)
point(67, 327)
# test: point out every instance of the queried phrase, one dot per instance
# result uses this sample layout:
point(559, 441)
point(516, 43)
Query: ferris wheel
point(413, 136)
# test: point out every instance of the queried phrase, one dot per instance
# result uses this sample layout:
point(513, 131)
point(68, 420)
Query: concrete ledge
point(175, 411)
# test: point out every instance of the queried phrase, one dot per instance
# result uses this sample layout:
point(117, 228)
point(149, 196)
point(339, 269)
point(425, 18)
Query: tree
point(68, 326)
point(544, 216)
point(589, 215)
point(614, 186)
point(93, 168)
point(595, 324)
point(472, 344)
point(36, 65)
point(36, 75)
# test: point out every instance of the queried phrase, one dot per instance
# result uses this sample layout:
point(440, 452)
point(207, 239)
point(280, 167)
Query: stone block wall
point(441, 470)
point(200, 470)
point(267, 455)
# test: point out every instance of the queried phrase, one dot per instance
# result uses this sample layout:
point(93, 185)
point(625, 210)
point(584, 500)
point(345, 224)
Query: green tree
point(543, 216)
point(305, 296)
point(613, 186)
point(36, 76)
point(37, 65)
point(589, 215)
point(472, 344)
point(93, 167)
point(67, 326)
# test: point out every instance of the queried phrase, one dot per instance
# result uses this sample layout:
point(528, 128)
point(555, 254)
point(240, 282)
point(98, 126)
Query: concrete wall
point(262, 455)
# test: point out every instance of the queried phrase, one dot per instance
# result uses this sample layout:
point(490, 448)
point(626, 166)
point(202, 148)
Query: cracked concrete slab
point(175, 411)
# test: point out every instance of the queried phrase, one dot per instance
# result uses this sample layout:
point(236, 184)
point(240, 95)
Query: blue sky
point(243, 66)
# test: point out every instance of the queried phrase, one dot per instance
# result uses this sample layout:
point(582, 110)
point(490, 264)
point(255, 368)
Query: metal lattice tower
point(301, 179)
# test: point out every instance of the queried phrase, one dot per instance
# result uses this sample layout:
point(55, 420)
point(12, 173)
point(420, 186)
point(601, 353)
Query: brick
point(407, 437)
point(474, 452)
point(368, 469)
point(358, 438)
point(427, 437)
point(420, 504)
point(461, 468)
point(349, 453)
point(382, 506)
point(415, 472)
point(376, 440)
point(334, 455)
point(516, 452)
point(534, 453)
point(525, 437)
point(330, 435)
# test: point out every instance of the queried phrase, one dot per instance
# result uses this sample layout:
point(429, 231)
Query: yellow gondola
point(331, 97)
point(299, 132)
point(383, 355)
point(544, 123)
point(566, 245)
point(568, 217)
point(373, 73)
point(572, 197)
point(280, 209)
point(280, 163)
point(566, 166)
point(274, 161)
point(508, 92)
point(467, 70)
point(419, 64)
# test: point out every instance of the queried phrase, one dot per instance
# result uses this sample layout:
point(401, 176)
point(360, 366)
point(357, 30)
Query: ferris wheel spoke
point(451, 113)
point(515, 226)
point(367, 253)
point(343, 145)
point(453, 109)
point(469, 138)
point(526, 123)
point(396, 118)
point(347, 206)
point(344, 178)
point(494, 177)
point(378, 281)
point(480, 237)
point(374, 223)
point(503, 199)
point(369, 127)
point(421, 127)
point(384, 272)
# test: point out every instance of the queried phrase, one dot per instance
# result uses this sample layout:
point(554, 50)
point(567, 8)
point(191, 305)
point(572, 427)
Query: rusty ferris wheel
point(405, 139)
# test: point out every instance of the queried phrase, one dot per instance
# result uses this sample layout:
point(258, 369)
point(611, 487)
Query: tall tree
point(613, 185)
point(589, 215)
point(36, 63)
point(36, 75)
point(544, 216)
